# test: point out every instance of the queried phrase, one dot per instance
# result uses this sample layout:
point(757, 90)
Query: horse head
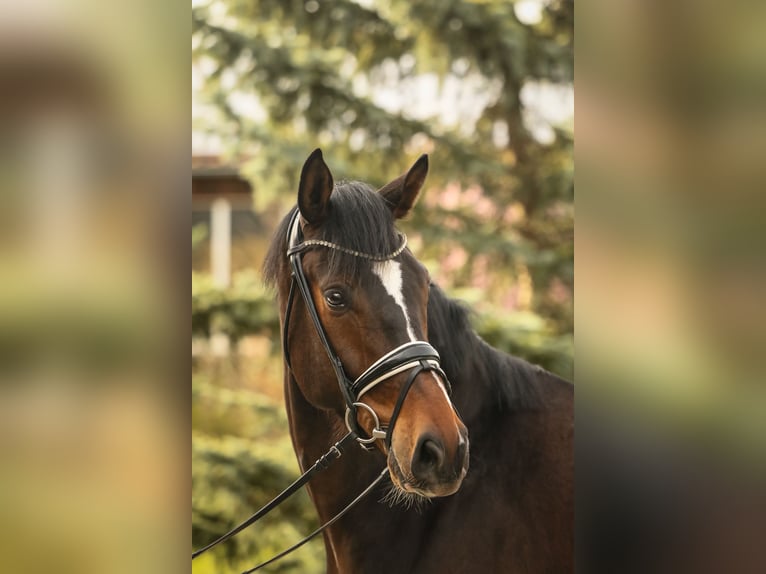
point(370, 295)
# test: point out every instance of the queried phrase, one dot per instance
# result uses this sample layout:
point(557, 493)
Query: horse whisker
point(409, 500)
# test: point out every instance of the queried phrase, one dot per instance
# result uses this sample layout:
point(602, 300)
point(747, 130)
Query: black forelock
point(358, 218)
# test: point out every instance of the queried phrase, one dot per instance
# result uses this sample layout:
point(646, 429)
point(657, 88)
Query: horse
point(480, 457)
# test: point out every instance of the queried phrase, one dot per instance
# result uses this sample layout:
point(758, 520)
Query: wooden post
point(220, 242)
point(220, 262)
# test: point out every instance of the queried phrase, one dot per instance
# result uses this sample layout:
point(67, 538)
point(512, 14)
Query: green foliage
point(241, 458)
point(199, 234)
point(281, 78)
point(219, 412)
point(527, 335)
point(245, 308)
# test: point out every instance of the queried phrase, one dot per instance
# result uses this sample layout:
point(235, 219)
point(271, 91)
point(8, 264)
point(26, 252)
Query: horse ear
point(403, 191)
point(315, 188)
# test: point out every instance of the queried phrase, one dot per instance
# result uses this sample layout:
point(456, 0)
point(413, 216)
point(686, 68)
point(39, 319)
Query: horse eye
point(334, 298)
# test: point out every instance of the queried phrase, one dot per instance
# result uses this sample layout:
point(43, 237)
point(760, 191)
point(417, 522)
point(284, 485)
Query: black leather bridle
point(413, 356)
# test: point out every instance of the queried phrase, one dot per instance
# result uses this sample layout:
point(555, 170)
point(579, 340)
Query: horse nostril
point(432, 453)
point(428, 458)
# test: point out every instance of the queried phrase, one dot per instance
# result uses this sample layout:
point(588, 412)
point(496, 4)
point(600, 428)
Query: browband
point(306, 244)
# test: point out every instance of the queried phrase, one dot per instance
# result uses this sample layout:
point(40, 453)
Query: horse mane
point(358, 218)
point(468, 360)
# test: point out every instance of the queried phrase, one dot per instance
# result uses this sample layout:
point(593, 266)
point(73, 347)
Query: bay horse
point(481, 479)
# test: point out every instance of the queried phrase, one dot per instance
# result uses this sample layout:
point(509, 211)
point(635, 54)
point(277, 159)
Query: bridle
point(413, 356)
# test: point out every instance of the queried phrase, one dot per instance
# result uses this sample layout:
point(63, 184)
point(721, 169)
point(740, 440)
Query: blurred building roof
point(212, 166)
point(213, 178)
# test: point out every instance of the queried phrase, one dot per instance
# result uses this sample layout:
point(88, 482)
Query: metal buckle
point(377, 432)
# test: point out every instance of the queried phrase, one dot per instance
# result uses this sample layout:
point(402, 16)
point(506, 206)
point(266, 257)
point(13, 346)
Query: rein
point(322, 463)
point(413, 356)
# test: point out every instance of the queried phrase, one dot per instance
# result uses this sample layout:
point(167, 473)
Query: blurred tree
point(377, 83)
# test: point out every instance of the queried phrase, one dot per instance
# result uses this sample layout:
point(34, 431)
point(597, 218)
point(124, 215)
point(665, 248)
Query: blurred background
point(93, 140)
point(670, 313)
point(485, 88)
point(95, 408)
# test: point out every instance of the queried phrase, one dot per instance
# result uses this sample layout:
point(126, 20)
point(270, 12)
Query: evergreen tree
point(284, 76)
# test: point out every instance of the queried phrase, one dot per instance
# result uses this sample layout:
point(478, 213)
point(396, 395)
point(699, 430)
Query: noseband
point(413, 356)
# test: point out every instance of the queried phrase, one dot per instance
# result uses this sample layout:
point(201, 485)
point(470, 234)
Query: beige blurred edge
point(94, 431)
point(93, 428)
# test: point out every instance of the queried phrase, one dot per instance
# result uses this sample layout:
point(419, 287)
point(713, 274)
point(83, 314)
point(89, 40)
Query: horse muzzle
point(430, 469)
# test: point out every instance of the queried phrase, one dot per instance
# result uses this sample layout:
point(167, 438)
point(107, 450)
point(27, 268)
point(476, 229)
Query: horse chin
point(408, 489)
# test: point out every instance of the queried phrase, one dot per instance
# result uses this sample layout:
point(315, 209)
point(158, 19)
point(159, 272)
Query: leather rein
point(413, 356)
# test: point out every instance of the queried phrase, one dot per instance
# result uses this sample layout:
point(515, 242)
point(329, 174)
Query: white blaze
point(390, 274)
